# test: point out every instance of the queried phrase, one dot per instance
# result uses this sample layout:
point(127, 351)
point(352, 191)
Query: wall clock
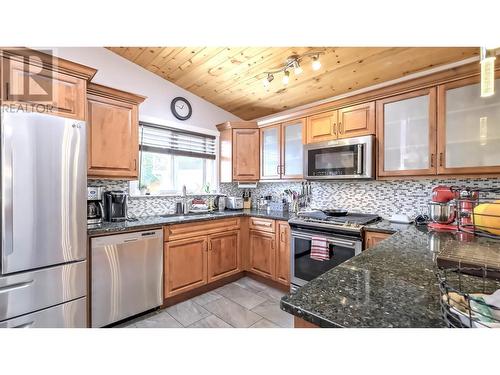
point(181, 108)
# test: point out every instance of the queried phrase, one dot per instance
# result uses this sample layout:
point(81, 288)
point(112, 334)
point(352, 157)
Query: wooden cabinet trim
point(187, 230)
point(114, 94)
point(432, 133)
point(261, 224)
point(441, 130)
point(371, 238)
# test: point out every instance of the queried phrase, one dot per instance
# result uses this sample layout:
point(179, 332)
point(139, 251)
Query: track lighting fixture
point(488, 57)
point(293, 62)
point(316, 64)
point(286, 77)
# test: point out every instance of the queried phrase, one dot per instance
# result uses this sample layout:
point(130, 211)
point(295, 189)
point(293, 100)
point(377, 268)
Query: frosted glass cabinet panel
point(469, 136)
point(407, 125)
point(292, 150)
point(270, 138)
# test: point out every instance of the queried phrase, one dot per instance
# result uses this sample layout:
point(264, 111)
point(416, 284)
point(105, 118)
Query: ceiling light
point(267, 81)
point(297, 69)
point(316, 64)
point(487, 72)
point(286, 77)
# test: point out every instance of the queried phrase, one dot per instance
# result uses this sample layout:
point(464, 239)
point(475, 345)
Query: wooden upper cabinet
point(281, 150)
point(321, 127)
point(43, 83)
point(356, 121)
point(292, 143)
point(270, 152)
point(185, 265)
point(113, 132)
point(239, 151)
point(283, 253)
point(263, 253)
point(406, 133)
point(224, 256)
point(468, 128)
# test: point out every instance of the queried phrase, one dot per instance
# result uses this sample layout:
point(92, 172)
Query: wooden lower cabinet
point(373, 238)
point(224, 257)
point(283, 253)
point(185, 265)
point(263, 253)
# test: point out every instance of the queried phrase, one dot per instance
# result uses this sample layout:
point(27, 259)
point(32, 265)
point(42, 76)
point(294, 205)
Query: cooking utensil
point(335, 212)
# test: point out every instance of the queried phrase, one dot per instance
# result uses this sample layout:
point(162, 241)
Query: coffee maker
point(95, 209)
point(115, 204)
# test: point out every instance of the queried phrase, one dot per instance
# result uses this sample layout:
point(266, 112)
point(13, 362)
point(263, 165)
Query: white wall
point(117, 72)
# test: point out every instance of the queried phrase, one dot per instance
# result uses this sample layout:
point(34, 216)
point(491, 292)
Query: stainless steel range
point(342, 232)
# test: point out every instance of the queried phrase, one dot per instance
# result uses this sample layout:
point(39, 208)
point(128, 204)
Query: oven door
point(304, 269)
point(339, 159)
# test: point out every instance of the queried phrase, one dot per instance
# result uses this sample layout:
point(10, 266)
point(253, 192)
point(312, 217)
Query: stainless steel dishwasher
point(127, 275)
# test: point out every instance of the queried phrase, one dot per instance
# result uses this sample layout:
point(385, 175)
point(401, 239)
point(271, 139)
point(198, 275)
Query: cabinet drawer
point(266, 225)
point(189, 230)
point(29, 291)
point(71, 314)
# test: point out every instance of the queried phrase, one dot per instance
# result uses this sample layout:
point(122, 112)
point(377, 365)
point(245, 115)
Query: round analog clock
point(181, 108)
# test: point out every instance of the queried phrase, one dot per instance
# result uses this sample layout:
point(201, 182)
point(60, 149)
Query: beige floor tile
point(272, 294)
point(187, 312)
point(160, 320)
point(240, 295)
point(251, 284)
point(264, 323)
point(271, 311)
point(210, 322)
point(232, 313)
point(205, 298)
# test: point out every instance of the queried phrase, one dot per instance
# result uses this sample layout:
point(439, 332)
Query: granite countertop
point(150, 222)
point(392, 284)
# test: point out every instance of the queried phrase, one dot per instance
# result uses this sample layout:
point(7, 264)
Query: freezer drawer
point(71, 314)
point(30, 291)
point(127, 275)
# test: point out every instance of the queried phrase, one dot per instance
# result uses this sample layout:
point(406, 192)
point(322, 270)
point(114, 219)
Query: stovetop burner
point(352, 222)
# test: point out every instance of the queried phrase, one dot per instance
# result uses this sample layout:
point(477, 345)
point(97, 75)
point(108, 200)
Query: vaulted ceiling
point(231, 77)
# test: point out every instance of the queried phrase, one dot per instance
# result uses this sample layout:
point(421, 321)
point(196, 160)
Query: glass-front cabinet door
point(468, 128)
point(292, 149)
point(406, 126)
point(270, 143)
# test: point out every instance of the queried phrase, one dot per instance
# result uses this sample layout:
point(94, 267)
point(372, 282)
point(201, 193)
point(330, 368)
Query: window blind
point(165, 140)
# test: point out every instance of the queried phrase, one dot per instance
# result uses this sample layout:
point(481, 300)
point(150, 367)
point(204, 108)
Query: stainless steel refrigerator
point(43, 267)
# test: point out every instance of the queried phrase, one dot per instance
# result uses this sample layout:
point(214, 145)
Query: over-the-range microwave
point(350, 158)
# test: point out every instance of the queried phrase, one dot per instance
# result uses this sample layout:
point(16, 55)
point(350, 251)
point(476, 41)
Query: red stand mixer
point(443, 210)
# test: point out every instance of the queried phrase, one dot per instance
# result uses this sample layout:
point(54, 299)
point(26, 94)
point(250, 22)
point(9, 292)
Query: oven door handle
point(328, 239)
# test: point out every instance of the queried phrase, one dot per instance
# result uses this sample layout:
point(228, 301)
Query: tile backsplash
point(384, 198)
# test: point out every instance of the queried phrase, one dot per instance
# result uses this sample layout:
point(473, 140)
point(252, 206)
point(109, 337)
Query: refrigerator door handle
point(7, 196)
point(10, 288)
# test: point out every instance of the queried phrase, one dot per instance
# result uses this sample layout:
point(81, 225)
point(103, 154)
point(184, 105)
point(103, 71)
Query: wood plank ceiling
point(231, 78)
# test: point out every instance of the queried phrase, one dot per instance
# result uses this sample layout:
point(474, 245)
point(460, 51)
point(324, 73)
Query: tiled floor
point(245, 303)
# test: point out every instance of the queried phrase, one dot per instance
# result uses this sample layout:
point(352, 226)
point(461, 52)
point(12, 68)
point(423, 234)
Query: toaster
point(234, 203)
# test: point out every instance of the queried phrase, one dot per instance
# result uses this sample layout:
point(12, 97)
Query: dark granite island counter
point(390, 285)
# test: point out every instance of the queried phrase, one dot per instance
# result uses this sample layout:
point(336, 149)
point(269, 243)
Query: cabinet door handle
point(335, 128)
point(340, 128)
point(272, 244)
point(441, 157)
point(281, 236)
point(7, 93)
point(432, 160)
point(277, 169)
point(135, 164)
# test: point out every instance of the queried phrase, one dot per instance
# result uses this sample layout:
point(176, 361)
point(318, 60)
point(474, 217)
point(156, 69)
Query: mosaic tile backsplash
point(384, 198)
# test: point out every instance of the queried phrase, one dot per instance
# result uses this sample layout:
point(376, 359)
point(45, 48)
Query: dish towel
point(319, 249)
